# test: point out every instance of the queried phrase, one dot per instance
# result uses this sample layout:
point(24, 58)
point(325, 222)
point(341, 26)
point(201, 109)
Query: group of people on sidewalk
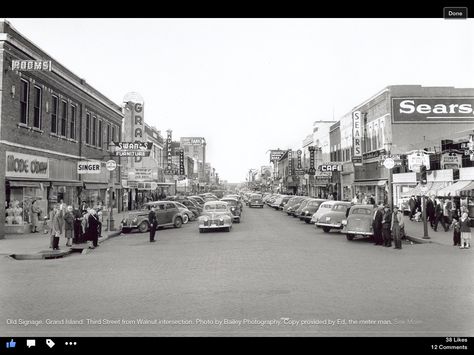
point(76, 225)
point(388, 225)
point(448, 214)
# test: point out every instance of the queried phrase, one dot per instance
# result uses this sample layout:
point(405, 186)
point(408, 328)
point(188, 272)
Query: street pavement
point(272, 275)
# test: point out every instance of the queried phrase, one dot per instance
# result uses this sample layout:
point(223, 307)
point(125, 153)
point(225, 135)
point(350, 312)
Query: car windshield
point(340, 207)
point(325, 205)
point(180, 205)
point(364, 211)
point(215, 207)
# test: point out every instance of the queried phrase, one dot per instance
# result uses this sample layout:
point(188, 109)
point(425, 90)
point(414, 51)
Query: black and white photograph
point(236, 177)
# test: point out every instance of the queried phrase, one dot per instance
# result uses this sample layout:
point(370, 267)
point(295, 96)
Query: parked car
point(284, 201)
point(198, 199)
point(256, 200)
point(292, 202)
point(188, 215)
point(359, 222)
point(330, 215)
point(297, 212)
point(167, 214)
point(311, 208)
point(277, 202)
point(215, 215)
point(290, 210)
point(192, 205)
point(238, 198)
point(234, 208)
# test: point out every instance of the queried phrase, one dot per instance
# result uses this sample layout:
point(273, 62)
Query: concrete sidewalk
point(414, 232)
point(37, 244)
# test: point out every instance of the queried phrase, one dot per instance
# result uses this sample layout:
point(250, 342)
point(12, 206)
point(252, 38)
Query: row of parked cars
point(353, 220)
point(174, 211)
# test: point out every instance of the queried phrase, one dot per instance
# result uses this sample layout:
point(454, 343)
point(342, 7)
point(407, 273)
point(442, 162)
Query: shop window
point(37, 107)
point(24, 93)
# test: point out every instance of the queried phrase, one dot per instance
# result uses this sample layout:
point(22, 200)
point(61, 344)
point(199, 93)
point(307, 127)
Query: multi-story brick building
point(50, 120)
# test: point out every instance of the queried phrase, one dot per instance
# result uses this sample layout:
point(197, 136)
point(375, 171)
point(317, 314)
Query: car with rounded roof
point(234, 208)
point(359, 221)
point(330, 215)
point(188, 215)
point(310, 208)
point(215, 215)
point(256, 200)
point(168, 214)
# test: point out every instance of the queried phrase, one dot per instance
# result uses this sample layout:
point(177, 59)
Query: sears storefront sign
point(432, 109)
point(25, 165)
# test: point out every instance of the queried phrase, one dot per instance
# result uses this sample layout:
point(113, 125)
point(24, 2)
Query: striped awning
point(430, 188)
point(468, 190)
point(454, 189)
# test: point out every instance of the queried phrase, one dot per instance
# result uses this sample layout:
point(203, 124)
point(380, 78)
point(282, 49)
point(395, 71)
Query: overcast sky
point(249, 85)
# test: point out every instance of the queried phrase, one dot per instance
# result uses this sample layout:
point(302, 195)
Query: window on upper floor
point(72, 122)
point(54, 114)
point(37, 96)
point(88, 128)
point(63, 118)
point(99, 138)
point(94, 130)
point(24, 95)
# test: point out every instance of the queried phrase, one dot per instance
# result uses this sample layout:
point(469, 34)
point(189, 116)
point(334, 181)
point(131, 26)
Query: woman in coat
point(69, 226)
point(57, 224)
point(93, 228)
point(465, 228)
point(35, 214)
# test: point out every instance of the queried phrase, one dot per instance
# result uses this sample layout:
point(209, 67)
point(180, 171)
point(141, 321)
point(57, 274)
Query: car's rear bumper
point(256, 205)
point(225, 225)
point(358, 233)
point(339, 226)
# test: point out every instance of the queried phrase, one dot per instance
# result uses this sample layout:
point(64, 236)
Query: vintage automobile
point(277, 202)
point(330, 215)
point(256, 200)
point(311, 208)
point(284, 201)
point(234, 208)
point(191, 205)
point(294, 204)
point(198, 199)
point(167, 214)
point(188, 215)
point(359, 222)
point(291, 202)
point(238, 198)
point(215, 215)
point(298, 209)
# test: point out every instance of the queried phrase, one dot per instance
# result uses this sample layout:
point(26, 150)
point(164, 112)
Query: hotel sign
point(275, 155)
point(357, 134)
point(192, 140)
point(432, 109)
point(25, 165)
point(31, 65)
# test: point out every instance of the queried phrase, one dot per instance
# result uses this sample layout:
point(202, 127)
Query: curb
point(420, 240)
point(54, 255)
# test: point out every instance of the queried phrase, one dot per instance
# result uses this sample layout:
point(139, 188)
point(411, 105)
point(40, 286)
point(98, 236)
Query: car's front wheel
point(178, 222)
point(201, 230)
point(326, 229)
point(143, 227)
point(349, 236)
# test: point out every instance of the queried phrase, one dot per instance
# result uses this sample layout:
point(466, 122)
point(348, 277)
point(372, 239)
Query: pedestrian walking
point(77, 225)
point(447, 213)
point(396, 227)
point(35, 216)
point(456, 233)
point(386, 225)
point(439, 218)
point(69, 225)
point(153, 222)
point(92, 229)
point(57, 225)
point(412, 206)
point(84, 208)
point(372, 200)
point(430, 211)
point(465, 228)
point(377, 225)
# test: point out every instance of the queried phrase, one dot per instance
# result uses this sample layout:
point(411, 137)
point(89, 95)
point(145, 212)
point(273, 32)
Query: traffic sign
point(111, 165)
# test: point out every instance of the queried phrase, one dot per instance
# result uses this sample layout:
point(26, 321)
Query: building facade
point(51, 119)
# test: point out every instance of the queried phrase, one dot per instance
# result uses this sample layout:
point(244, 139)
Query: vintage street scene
point(236, 177)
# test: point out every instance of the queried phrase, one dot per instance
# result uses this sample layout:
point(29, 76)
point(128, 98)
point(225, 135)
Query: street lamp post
point(111, 222)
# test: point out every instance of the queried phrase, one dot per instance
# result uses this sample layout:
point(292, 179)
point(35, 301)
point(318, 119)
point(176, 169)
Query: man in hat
point(386, 225)
point(377, 225)
point(396, 226)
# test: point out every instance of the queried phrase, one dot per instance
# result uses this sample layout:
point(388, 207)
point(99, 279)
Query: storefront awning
point(67, 183)
point(465, 190)
point(369, 183)
point(34, 184)
point(430, 188)
point(95, 186)
point(454, 189)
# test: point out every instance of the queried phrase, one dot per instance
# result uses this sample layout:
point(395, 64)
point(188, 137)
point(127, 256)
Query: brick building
point(50, 120)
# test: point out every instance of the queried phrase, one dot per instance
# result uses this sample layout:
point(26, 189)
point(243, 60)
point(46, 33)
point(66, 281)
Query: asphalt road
point(272, 273)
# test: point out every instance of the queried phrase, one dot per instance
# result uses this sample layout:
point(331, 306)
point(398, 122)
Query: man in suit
point(430, 211)
point(439, 215)
point(377, 225)
point(386, 225)
point(153, 222)
point(412, 205)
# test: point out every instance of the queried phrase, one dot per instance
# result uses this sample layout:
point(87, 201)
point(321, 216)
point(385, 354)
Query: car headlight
point(205, 219)
point(233, 208)
point(221, 219)
point(134, 220)
point(328, 219)
point(344, 222)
